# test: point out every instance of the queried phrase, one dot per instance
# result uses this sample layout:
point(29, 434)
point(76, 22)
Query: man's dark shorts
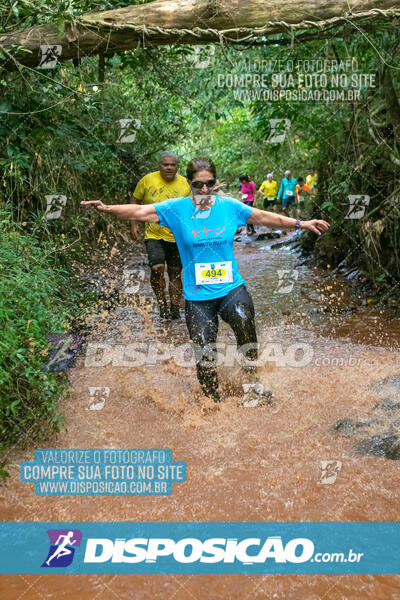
point(269, 202)
point(160, 252)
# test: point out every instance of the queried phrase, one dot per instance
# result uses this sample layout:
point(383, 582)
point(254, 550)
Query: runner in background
point(301, 187)
point(248, 191)
point(312, 181)
point(287, 192)
point(269, 190)
point(160, 243)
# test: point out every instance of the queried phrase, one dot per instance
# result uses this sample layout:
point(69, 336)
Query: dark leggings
point(237, 310)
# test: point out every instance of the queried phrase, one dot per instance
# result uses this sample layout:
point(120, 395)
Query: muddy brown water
point(243, 464)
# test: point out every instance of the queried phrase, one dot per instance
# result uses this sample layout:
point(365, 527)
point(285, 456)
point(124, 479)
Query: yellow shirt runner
point(153, 188)
point(269, 189)
point(312, 181)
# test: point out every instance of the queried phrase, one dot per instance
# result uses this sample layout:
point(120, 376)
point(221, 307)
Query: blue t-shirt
point(205, 244)
point(287, 185)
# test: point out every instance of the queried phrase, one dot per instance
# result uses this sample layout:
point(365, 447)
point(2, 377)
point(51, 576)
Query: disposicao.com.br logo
point(153, 549)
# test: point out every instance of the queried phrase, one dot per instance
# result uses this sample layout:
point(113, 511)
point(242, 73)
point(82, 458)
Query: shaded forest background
point(61, 134)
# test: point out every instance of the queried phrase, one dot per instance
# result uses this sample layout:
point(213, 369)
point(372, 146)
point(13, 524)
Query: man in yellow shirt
point(312, 181)
point(269, 189)
point(160, 243)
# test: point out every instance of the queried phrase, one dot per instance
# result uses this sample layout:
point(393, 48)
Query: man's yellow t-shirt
point(153, 188)
point(269, 189)
point(312, 181)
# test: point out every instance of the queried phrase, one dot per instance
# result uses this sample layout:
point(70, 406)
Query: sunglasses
point(199, 184)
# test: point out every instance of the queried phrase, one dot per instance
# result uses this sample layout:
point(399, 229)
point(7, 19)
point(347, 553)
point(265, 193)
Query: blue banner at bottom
point(200, 548)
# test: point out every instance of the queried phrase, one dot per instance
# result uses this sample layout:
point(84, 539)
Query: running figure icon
point(61, 551)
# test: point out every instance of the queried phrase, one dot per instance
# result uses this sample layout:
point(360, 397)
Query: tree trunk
point(189, 22)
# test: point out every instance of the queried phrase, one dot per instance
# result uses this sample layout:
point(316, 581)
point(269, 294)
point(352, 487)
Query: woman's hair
point(244, 178)
point(200, 164)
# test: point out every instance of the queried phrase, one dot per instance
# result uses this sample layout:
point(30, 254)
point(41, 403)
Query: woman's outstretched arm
point(135, 212)
point(270, 219)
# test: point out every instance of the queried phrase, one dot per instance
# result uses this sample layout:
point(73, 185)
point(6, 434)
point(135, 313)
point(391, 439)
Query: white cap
point(287, 172)
point(270, 175)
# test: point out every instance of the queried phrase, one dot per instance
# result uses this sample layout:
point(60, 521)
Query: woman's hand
point(98, 204)
point(315, 225)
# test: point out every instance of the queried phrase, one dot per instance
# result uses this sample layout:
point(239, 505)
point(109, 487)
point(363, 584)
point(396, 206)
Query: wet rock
point(387, 404)
point(303, 261)
point(347, 427)
point(387, 445)
point(342, 267)
point(353, 274)
point(288, 242)
point(388, 388)
point(384, 417)
point(343, 425)
point(270, 235)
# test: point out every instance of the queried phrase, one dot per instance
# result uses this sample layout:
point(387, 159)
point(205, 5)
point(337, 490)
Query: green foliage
point(37, 297)
point(68, 143)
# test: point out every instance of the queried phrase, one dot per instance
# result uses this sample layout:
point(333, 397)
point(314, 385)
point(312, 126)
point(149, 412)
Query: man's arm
point(130, 212)
point(133, 224)
point(280, 190)
point(270, 219)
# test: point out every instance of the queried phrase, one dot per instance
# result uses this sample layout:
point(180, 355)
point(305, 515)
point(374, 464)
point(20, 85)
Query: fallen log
point(189, 22)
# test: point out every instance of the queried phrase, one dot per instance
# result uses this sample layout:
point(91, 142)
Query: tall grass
point(37, 297)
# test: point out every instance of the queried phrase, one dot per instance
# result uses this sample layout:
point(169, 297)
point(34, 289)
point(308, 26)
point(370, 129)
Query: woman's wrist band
point(298, 221)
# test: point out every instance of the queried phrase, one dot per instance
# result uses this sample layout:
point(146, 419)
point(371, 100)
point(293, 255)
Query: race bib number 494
point(207, 273)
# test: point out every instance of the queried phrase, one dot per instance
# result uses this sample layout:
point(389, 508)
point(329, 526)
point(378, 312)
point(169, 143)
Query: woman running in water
point(204, 227)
